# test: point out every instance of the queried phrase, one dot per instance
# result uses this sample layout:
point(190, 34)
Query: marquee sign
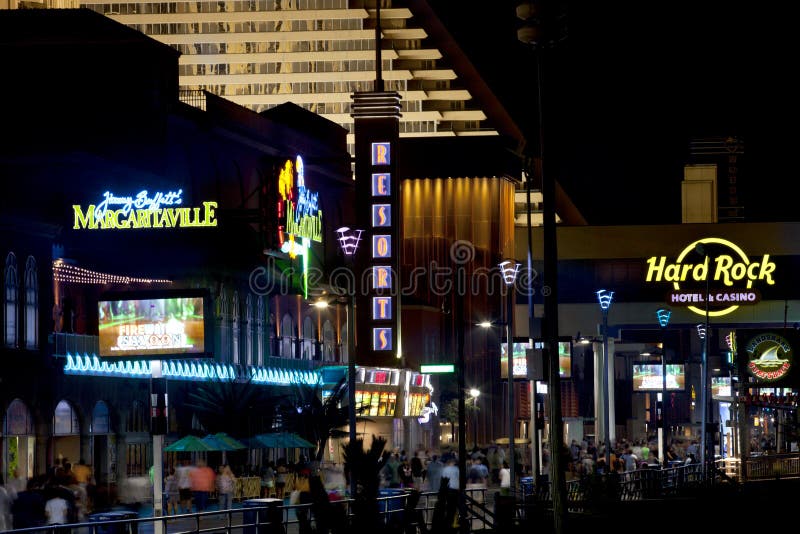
point(143, 210)
point(298, 213)
point(723, 269)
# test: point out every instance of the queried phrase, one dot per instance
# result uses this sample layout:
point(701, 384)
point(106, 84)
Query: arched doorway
point(66, 433)
point(19, 441)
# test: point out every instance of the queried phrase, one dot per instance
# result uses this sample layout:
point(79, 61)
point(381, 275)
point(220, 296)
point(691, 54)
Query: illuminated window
point(286, 337)
point(12, 300)
point(31, 304)
point(18, 420)
point(328, 344)
point(65, 420)
point(248, 335)
point(101, 420)
point(223, 316)
point(261, 314)
point(235, 329)
point(308, 339)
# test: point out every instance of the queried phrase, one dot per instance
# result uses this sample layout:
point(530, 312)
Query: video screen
point(521, 361)
point(648, 377)
point(721, 387)
point(152, 327)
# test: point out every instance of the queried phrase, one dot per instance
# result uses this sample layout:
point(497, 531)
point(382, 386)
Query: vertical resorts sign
point(382, 253)
point(712, 260)
point(142, 210)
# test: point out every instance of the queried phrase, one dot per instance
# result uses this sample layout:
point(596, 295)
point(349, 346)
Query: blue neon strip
point(189, 370)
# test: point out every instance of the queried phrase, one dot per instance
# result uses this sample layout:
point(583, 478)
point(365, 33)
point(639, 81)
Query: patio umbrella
point(216, 443)
point(232, 442)
point(189, 444)
point(281, 440)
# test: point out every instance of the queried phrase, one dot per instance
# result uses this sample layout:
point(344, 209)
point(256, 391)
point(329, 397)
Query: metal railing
point(267, 518)
point(772, 466)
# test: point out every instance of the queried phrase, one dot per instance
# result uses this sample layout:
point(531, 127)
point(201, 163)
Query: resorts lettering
point(127, 218)
point(725, 269)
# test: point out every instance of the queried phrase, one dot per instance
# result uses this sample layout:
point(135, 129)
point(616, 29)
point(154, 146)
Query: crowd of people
point(62, 495)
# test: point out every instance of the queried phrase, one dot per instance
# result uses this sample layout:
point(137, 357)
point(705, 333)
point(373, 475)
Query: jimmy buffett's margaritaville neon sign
point(143, 210)
point(731, 272)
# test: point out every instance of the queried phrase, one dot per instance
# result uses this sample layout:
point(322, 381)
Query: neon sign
point(770, 356)
point(162, 210)
point(728, 265)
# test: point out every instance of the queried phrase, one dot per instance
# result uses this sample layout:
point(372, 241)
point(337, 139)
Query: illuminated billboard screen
point(144, 325)
point(521, 362)
point(519, 358)
point(721, 387)
point(648, 377)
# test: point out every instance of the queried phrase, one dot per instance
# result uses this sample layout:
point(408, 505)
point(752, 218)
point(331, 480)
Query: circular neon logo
point(770, 357)
point(717, 259)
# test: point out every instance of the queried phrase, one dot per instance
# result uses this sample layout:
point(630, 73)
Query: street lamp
point(509, 270)
point(701, 250)
point(348, 243)
point(605, 297)
point(663, 316)
point(475, 393)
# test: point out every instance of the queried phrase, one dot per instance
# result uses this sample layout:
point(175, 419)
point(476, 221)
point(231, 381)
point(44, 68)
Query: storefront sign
point(159, 210)
point(769, 357)
point(708, 261)
point(770, 400)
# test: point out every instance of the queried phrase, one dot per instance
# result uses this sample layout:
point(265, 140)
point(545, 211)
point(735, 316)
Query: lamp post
point(701, 250)
point(663, 316)
point(509, 270)
point(475, 393)
point(604, 298)
point(348, 243)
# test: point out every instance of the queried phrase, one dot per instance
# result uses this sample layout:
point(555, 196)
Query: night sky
point(626, 90)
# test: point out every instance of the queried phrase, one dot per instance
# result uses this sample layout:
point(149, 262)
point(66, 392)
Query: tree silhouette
point(240, 408)
point(317, 420)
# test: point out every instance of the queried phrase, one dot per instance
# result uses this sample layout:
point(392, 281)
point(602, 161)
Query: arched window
point(286, 337)
point(223, 318)
point(235, 328)
point(328, 342)
point(101, 420)
point(308, 339)
point(31, 304)
point(248, 332)
point(137, 421)
point(65, 420)
point(343, 337)
point(261, 349)
point(12, 301)
point(18, 420)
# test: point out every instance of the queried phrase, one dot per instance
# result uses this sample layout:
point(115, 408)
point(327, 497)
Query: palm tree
point(365, 466)
point(313, 418)
point(240, 408)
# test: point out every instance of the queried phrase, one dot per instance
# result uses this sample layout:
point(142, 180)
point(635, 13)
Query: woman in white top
point(505, 478)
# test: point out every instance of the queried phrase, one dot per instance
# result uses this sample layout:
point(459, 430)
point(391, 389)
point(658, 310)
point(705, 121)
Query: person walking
point(202, 478)
point(433, 473)
point(226, 483)
point(173, 492)
point(183, 473)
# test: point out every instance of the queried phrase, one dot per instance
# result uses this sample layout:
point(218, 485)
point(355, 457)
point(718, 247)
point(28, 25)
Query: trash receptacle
point(392, 507)
point(111, 528)
point(268, 518)
point(526, 484)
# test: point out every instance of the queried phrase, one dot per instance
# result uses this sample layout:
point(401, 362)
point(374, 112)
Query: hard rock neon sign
point(732, 272)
